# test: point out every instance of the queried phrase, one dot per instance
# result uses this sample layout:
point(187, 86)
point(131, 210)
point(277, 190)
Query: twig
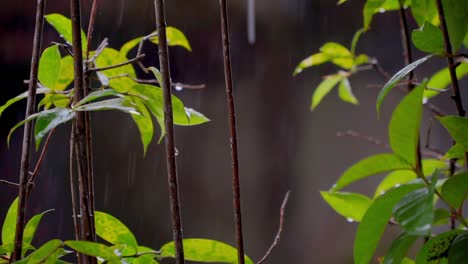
point(233, 131)
point(40, 159)
point(380, 69)
point(92, 18)
point(137, 58)
point(280, 229)
point(169, 138)
point(98, 51)
point(9, 183)
point(27, 136)
point(155, 81)
point(373, 140)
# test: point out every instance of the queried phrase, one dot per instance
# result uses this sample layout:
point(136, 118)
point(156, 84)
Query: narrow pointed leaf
point(352, 206)
point(370, 166)
point(355, 40)
point(21, 97)
point(441, 80)
point(114, 231)
point(9, 225)
point(397, 78)
point(44, 252)
point(399, 248)
point(94, 249)
point(49, 66)
point(96, 95)
point(50, 119)
point(31, 227)
point(345, 92)
point(313, 60)
point(324, 88)
point(59, 100)
point(144, 122)
point(338, 54)
point(369, 11)
point(110, 104)
point(457, 151)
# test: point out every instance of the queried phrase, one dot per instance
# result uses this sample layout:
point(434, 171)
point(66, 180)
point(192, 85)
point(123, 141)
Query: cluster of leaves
point(119, 245)
point(417, 195)
point(119, 89)
point(428, 38)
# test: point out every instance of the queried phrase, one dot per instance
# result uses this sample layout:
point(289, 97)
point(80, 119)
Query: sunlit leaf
point(143, 121)
point(59, 100)
point(394, 179)
point(31, 227)
point(397, 78)
point(441, 80)
point(49, 66)
point(457, 127)
point(313, 60)
point(205, 250)
point(455, 189)
point(145, 259)
point(370, 166)
point(94, 249)
point(118, 79)
point(63, 25)
point(400, 246)
point(437, 247)
point(338, 54)
point(457, 151)
point(428, 38)
point(44, 252)
point(350, 205)
point(324, 88)
point(404, 125)
point(21, 97)
point(345, 92)
point(373, 224)
point(66, 74)
point(9, 225)
point(415, 212)
point(114, 231)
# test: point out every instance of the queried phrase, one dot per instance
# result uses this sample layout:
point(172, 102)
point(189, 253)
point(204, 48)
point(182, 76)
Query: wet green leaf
point(355, 40)
point(457, 127)
point(437, 247)
point(94, 249)
point(63, 25)
point(31, 227)
point(415, 212)
point(50, 119)
point(118, 77)
point(143, 121)
point(352, 206)
point(457, 252)
point(457, 151)
point(45, 252)
point(425, 11)
point(369, 10)
point(96, 95)
point(109, 104)
point(455, 189)
point(313, 60)
point(399, 248)
point(394, 179)
point(49, 66)
point(456, 16)
point(9, 225)
point(66, 74)
point(338, 54)
point(114, 231)
point(145, 259)
point(345, 92)
point(21, 97)
point(429, 38)
point(59, 100)
point(441, 80)
point(324, 88)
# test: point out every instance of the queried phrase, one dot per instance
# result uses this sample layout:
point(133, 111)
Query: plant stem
point(169, 138)
point(233, 132)
point(27, 136)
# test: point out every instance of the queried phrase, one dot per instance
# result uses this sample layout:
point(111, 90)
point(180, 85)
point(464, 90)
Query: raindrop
point(397, 185)
point(176, 152)
point(179, 88)
point(382, 10)
point(349, 219)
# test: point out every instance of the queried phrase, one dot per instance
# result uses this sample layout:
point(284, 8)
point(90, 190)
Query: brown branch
point(136, 59)
point(27, 136)
point(169, 138)
point(92, 17)
point(280, 229)
point(233, 131)
point(9, 183)
point(40, 160)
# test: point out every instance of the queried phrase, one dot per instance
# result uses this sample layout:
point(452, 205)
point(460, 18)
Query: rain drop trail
point(251, 34)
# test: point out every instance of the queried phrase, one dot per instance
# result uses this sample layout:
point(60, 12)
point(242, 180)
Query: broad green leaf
point(429, 38)
point(194, 118)
point(457, 151)
point(21, 97)
point(59, 100)
point(313, 60)
point(44, 252)
point(415, 212)
point(429, 166)
point(114, 231)
point(49, 66)
point(399, 248)
point(345, 92)
point(94, 249)
point(324, 88)
point(465, 41)
point(174, 37)
point(455, 189)
point(63, 25)
point(31, 227)
point(425, 11)
point(397, 78)
point(96, 95)
point(145, 259)
point(437, 247)
point(404, 125)
point(338, 54)
point(456, 16)
point(350, 205)
point(355, 40)
point(373, 224)
point(361, 59)
point(66, 75)
point(50, 119)
point(394, 179)
point(143, 121)
point(369, 10)
point(457, 252)
point(110, 104)
point(457, 127)
point(441, 216)
point(441, 80)
point(9, 225)
point(205, 250)
point(117, 81)
point(370, 166)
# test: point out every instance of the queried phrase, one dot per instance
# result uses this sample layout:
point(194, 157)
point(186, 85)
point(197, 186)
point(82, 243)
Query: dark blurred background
point(283, 145)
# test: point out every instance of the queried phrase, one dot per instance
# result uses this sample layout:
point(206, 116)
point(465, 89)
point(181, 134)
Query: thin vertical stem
point(233, 132)
point(27, 136)
point(169, 138)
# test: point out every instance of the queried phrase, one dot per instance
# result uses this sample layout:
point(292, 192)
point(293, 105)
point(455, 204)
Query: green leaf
point(350, 205)
point(113, 231)
point(457, 127)
point(338, 54)
point(394, 179)
point(441, 217)
point(457, 151)
point(456, 16)
point(457, 252)
point(59, 100)
point(324, 88)
point(50, 119)
point(370, 166)
point(110, 104)
point(437, 247)
point(397, 78)
point(143, 121)
point(313, 60)
point(63, 25)
point(96, 95)
point(49, 66)
point(94, 249)
point(66, 74)
point(205, 250)
point(145, 259)
point(429, 38)
point(415, 212)
point(425, 11)
point(455, 189)
point(399, 248)
point(31, 227)
point(9, 225)
point(44, 252)
point(441, 80)
point(21, 97)
point(355, 40)
point(375, 220)
point(361, 59)
point(117, 80)
point(345, 92)
point(369, 10)
point(404, 125)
